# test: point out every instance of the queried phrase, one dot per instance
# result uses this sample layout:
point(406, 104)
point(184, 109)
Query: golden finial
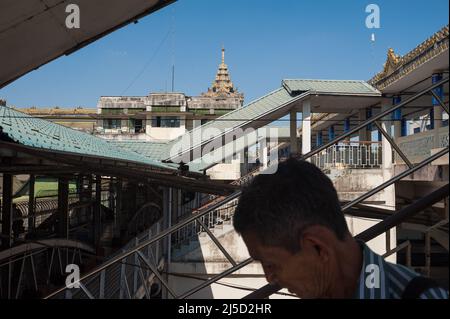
point(223, 54)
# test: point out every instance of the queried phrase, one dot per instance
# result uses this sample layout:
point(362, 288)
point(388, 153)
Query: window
point(136, 126)
point(416, 130)
point(111, 124)
point(166, 121)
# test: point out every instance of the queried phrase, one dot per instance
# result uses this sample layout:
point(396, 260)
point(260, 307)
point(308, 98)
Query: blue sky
point(265, 41)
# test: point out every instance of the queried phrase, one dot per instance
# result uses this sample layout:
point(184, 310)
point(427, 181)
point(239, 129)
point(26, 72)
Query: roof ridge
point(324, 80)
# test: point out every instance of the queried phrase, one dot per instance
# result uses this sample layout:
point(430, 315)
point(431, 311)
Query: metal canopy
point(34, 32)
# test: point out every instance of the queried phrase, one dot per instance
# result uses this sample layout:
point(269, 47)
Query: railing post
point(408, 256)
point(102, 285)
point(31, 207)
point(427, 254)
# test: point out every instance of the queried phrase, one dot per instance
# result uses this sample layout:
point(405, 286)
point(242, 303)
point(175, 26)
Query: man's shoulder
point(397, 277)
point(400, 278)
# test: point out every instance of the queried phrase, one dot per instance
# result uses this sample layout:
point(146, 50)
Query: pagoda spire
point(223, 54)
point(222, 86)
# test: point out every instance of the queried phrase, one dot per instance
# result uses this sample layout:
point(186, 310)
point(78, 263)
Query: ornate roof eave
point(396, 67)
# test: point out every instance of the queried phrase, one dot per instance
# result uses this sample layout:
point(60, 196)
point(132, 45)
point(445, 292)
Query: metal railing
point(350, 155)
point(20, 266)
point(213, 219)
point(131, 277)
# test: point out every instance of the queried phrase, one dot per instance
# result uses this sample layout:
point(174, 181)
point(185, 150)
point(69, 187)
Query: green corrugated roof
point(155, 151)
point(242, 115)
point(39, 133)
point(329, 86)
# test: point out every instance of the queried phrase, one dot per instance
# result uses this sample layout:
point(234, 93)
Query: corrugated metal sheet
point(330, 86)
point(39, 133)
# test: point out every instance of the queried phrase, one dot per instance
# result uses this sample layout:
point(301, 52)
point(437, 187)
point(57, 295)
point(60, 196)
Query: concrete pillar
point(306, 127)
point(293, 132)
point(7, 217)
point(437, 109)
point(63, 208)
point(31, 208)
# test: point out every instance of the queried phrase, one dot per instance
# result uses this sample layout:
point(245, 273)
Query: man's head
point(291, 222)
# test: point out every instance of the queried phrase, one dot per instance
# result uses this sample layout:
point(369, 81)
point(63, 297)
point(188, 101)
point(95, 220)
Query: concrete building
point(162, 117)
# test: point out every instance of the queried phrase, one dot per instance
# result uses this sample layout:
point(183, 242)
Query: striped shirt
point(380, 279)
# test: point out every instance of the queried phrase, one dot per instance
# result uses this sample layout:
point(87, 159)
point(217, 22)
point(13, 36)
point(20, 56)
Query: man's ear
point(317, 240)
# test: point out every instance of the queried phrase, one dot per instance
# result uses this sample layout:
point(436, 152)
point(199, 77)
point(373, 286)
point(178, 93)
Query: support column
point(118, 208)
point(245, 170)
point(31, 208)
point(306, 127)
point(293, 132)
point(169, 223)
point(165, 243)
point(63, 208)
point(97, 209)
point(7, 217)
point(437, 109)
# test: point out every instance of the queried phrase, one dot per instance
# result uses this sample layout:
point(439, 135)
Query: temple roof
point(222, 85)
point(397, 66)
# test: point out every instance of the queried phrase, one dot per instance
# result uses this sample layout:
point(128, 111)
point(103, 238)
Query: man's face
point(302, 272)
